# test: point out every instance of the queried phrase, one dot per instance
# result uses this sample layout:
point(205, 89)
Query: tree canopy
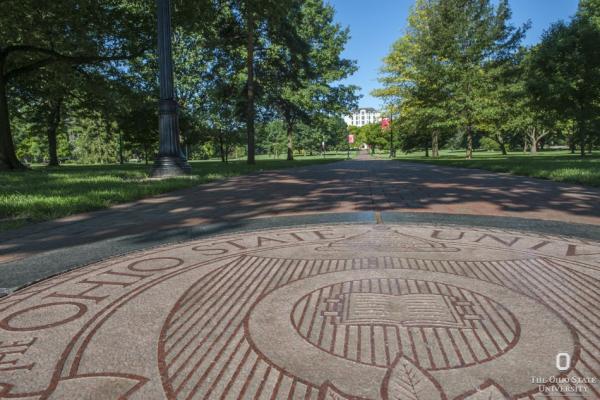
point(78, 71)
point(460, 70)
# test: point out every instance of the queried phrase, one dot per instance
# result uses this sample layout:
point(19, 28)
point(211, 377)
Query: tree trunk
point(582, 142)
point(121, 160)
point(250, 86)
point(222, 146)
point(53, 123)
point(290, 142)
point(426, 151)
point(469, 142)
point(535, 136)
point(501, 144)
point(435, 150)
point(8, 158)
point(108, 131)
point(571, 141)
point(533, 141)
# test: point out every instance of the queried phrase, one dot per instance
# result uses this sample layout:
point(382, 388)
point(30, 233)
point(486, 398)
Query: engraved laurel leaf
point(329, 392)
point(405, 381)
point(112, 386)
point(488, 391)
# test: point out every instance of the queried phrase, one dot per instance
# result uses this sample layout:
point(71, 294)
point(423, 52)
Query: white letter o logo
point(563, 361)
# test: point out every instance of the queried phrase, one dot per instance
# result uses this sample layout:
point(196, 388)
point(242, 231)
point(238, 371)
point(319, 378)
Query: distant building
point(363, 116)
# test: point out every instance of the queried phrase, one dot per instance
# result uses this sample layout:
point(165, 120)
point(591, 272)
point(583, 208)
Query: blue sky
point(376, 24)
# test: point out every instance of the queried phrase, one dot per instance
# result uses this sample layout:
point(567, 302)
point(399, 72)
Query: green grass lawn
point(43, 193)
point(559, 166)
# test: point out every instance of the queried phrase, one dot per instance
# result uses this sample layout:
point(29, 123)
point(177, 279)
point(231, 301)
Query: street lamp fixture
point(386, 124)
point(170, 160)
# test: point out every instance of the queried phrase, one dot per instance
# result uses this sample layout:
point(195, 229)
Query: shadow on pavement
point(359, 185)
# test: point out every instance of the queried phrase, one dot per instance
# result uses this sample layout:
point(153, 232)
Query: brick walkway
point(362, 184)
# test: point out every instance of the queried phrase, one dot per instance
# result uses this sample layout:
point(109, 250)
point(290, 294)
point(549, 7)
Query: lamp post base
point(170, 166)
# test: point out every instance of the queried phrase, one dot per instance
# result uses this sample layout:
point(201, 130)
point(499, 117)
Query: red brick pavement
point(362, 184)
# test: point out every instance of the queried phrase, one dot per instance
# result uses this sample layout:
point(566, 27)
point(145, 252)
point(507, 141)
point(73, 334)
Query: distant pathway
point(362, 184)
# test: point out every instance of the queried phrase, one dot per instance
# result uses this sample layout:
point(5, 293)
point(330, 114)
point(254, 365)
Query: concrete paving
point(334, 312)
point(359, 185)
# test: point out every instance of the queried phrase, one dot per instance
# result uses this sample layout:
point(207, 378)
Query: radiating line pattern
point(488, 330)
point(204, 354)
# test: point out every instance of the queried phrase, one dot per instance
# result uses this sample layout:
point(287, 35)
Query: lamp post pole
point(392, 150)
point(170, 160)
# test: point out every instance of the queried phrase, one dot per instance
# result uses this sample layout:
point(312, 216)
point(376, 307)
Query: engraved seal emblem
point(324, 312)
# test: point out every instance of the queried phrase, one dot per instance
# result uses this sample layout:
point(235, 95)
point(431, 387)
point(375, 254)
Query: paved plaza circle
point(323, 312)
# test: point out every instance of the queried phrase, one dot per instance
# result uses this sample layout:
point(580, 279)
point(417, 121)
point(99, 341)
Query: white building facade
point(362, 117)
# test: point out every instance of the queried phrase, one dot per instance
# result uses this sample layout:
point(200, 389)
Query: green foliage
point(305, 89)
point(438, 76)
point(371, 134)
point(272, 136)
point(41, 42)
point(92, 143)
point(489, 144)
point(460, 68)
point(80, 78)
point(564, 73)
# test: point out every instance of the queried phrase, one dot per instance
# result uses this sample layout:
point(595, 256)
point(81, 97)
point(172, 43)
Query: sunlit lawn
point(47, 193)
point(559, 166)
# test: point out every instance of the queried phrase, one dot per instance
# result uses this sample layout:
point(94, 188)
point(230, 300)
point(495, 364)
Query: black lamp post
point(391, 137)
point(170, 160)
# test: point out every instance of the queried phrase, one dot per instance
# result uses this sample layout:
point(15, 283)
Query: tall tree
point(438, 71)
point(472, 34)
point(305, 79)
point(43, 104)
point(506, 106)
point(259, 27)
point(56, 92)
point(34, 35)
point(416, 80)
point(564, 74)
